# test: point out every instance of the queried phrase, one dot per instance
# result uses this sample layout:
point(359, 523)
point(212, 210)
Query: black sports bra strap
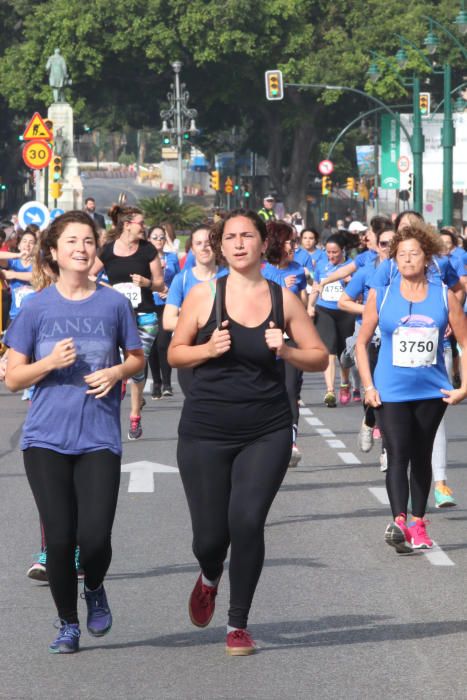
point(276, 301)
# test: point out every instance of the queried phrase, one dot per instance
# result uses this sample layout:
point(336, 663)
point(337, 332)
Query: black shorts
point(334, 326)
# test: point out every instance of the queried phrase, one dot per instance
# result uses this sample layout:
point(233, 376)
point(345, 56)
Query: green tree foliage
point(119, 55)
point(167, 208)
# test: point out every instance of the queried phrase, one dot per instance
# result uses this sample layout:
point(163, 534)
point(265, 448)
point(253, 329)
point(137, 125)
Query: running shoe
point(38, 571)
point(376, 433)
point(167, 391)
point(295, 457)
point(239, 643)
point(99, 619)
point(356, 396)
point(397, 535)
point(136, 429)
point(67, 640)
point(365, 437)
point(330, 399)
point(383, 461)
point(419, 536)
point(344, 394)
point(202, 603)
point(156, 392)
point(444, 497)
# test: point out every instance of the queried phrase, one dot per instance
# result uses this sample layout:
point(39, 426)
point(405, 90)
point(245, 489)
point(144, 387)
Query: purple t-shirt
point(62, 416)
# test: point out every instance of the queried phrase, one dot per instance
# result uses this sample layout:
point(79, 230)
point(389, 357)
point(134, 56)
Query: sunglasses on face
point(384, 244)
point(157, 238)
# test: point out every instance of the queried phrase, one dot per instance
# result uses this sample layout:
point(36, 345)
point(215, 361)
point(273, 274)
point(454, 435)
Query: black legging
point(160, 369)
point(230, 487)
point(76, 496)
point(409, 430)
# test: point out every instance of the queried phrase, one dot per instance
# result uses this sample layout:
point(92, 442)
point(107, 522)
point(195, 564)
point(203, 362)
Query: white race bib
point(20, 293)
point(332, 291)
point(414, 347)
point(131, 291)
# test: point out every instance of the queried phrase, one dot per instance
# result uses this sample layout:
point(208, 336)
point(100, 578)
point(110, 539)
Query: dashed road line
point(336, 444)
point(325, 432)
point(305, 411)
point(348, 458)
point(313, 421)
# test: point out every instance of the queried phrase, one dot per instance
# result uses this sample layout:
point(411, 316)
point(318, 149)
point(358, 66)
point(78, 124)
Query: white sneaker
point(383, 461)
point(365, 438)
point(295, 457)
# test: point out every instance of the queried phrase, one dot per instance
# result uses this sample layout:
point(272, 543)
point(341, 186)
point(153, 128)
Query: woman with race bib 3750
point(133, 268)
point(411, 387)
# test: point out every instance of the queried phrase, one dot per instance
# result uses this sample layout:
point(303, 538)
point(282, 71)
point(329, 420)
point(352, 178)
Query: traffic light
point(166, 141)
point(56, 190)
point(350, 184)
point(326, 216)
point(424, 102)
point(57, 168)
point(274, 85)
point(246, 191)
point(326, 185)
point(410, 187)
point(3, 187)
point(186, 135)
point(215, 180)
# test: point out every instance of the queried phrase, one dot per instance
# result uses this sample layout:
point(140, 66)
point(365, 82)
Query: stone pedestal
point(61, 114)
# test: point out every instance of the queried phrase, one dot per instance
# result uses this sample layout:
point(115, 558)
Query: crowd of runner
point(254, 303)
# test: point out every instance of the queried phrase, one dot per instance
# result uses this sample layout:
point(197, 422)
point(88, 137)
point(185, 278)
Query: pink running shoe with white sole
point(419, 536)
point(344, 394)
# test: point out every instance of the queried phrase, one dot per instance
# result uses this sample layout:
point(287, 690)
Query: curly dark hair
point(52, 233)
point(427, 237)
point(279, 232)
point(217, 230)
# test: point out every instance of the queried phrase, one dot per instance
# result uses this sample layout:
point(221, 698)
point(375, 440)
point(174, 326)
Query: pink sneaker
point(397, 535)
point(376, 433)
point(419, 536)
point(344, 394)
point(356, 396)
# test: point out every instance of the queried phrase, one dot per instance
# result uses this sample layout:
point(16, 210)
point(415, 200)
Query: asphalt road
point(337, 613)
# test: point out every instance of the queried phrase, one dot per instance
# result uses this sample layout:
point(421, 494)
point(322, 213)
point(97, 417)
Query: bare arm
point(367, 329)
point(170, 317)
point(21, 373)
point(458, 323)
point(96, 268)
point(339, 274)
point(311, 354)
point(346, 303)
point(21, 276)
point(103, 380)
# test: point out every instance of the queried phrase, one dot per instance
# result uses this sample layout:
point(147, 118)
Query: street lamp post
point(178, 119)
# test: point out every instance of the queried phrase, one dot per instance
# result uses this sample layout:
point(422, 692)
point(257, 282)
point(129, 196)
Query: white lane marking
point(349, 458)
point(325, 432)
point(142, 475)
point(314, 421)
point(380, 494)
point(305, 412)
point(336, 444)
point(435, 556)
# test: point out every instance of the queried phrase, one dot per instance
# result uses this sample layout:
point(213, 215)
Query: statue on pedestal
point(58, 75)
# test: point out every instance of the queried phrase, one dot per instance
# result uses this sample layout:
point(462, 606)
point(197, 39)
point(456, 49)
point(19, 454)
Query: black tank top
point(240, 395)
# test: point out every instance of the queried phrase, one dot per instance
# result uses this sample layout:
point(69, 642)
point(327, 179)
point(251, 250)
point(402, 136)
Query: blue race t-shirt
point(365, 258)
point(278, 275)
point(171, 267)
point(317, 256)
point(303, 258)
point(331, 292)
point(62, 416)
point(184, 281)
point(19, 288)
point(190, 260)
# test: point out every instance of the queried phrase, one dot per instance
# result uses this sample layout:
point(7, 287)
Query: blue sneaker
point(99, 619)
point(67, 641)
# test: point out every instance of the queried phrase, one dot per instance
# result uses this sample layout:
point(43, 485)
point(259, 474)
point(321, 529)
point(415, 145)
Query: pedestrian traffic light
point(56, 190)
point(424, 102)
point(274, 85)
point(215, 180)
point(350, 184)
point(326, 185)
point(57, 168)
point(410, 187)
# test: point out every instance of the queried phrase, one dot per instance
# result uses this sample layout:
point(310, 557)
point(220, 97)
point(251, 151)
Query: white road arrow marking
point(142, 475)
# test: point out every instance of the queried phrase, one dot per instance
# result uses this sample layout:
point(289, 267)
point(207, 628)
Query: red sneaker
point(202, 603)
point(419, 536)
point(240, 643)
point(344, 394)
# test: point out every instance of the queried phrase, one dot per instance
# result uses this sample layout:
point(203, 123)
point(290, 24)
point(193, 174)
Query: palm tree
point(166, 207)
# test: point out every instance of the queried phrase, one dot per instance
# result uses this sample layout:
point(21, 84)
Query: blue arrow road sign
point(56, 212)
point(34, 213)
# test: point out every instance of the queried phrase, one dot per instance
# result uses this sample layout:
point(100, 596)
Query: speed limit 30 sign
point(37, 154)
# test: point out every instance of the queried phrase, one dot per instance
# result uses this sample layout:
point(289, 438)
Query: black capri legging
point(76, 496)
point(230, 487)
point(334, 326)
point(409, 429)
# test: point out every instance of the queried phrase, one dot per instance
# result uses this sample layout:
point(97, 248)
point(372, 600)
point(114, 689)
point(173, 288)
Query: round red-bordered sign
point(403, 164)
point(37, 154)
point(326, 167)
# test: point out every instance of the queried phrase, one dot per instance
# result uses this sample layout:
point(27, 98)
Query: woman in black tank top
point(235, 431)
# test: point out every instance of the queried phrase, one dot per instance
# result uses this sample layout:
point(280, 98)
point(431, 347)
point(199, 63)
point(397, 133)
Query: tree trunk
point(306, 135)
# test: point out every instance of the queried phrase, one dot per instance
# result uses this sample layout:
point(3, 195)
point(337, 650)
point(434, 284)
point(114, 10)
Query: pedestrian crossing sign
point(36, 129)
